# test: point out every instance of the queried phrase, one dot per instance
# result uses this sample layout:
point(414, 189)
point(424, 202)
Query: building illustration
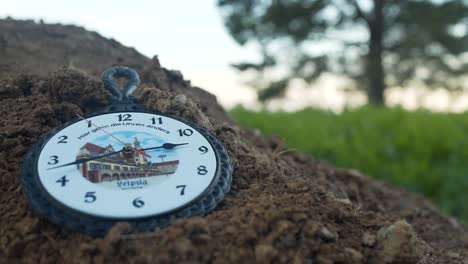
point(119, 167)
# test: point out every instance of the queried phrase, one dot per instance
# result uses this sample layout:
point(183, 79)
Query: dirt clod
point(326, 234)
point(354, 255)
point(368, 240)
point(399, 244)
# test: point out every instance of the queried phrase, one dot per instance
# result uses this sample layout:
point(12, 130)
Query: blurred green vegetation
point(419, 150)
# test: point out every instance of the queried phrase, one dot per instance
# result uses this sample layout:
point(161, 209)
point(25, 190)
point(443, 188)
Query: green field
point(419, 150)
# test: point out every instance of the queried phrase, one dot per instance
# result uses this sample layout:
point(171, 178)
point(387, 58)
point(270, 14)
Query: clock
point(125, 164)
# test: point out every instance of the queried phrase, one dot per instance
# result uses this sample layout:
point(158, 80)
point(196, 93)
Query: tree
point(162, 157)
point(374, 43)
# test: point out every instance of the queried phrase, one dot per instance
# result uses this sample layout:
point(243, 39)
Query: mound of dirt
point(284, 207)
point(45, 47)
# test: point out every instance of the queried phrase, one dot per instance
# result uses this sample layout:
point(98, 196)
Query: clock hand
point(166, 146)
point(134, 149)
point(79, 161)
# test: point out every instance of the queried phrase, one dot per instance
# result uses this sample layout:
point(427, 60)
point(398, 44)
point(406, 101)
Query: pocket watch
point(125, 164)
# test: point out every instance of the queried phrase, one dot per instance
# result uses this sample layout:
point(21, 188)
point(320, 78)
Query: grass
point(421, 151)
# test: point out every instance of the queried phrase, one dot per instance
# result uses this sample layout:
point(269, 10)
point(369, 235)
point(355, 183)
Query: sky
point(189, 36)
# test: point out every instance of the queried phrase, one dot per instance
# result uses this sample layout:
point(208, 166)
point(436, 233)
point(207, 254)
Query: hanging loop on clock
point(129, 88)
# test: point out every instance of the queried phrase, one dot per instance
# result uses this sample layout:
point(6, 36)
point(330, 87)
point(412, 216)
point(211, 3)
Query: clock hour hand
point(79, 161)
point(134, 149)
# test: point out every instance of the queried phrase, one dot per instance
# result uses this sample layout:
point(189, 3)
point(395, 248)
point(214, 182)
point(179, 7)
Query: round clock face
point(127, 165)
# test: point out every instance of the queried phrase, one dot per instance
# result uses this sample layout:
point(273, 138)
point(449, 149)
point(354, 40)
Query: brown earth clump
point(284, 207)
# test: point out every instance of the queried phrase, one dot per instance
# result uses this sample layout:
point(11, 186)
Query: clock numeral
point(157, 120)
point(125, 117)
point(203, 149)
point(182, 189)
point(202, 170)
point(53, 160)
point(186, 132)
point(90, 197)
point(138, 203)
point(63, 180)
point(63, 139)
point(89, 123)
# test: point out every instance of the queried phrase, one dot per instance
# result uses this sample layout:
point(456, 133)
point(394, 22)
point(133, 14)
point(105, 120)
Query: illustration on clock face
point(155, 166)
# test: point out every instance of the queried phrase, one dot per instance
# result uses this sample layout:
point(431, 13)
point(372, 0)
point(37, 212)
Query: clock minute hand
point(79, 161)
point(166, 146)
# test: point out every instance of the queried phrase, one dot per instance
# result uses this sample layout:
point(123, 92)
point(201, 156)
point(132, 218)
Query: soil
point(284, 206)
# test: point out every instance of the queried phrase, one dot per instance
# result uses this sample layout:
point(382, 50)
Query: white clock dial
point(131, 184)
